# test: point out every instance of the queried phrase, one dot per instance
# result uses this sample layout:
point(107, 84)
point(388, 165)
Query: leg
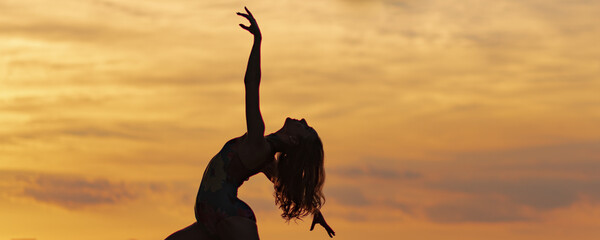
point(191, 232)
point(237, 228)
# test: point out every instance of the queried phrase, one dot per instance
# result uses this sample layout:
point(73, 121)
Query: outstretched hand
point(253, 28)
point(318, 218)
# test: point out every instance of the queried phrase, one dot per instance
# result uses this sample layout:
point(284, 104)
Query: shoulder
point(252, 153)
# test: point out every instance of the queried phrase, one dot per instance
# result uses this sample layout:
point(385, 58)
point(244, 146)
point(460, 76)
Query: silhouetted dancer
point(292, 158)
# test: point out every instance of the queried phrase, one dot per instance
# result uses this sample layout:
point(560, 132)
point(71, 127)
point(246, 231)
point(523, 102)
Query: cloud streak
point(67, 191)
point(479, 210)
point(74, 193)
point(375, 172)
point(496, 200)
point(518, 184)
point(78, 192)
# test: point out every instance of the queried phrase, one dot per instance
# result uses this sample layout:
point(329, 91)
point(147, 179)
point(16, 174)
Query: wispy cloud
point(537, 193)
point(478, 210)
point(124, 8)
point(79, 192)
point(573, 159)
point(348, 195)
point(76, 193)
point(68, 191)
point(374, 172)
point(512, 185)
point(516, 185)
point(502, 200)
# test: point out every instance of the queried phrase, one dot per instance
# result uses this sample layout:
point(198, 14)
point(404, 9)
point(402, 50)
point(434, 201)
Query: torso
point(237, 161)
point(227, 170)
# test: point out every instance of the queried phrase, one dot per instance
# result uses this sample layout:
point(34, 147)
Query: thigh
point(237, 228)
point(191, 232)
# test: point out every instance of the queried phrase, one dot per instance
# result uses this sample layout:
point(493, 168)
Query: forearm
point(253, 72)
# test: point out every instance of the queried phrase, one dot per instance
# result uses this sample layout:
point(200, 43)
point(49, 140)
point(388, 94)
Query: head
point(298, 190)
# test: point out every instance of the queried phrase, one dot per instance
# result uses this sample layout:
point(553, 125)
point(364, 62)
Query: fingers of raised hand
point(249, 17)
point(245, 27)
point(248, 11)
point(244, 15)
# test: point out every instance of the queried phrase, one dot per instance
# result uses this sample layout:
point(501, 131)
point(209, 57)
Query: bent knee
point(191, 232)
point(236, 227)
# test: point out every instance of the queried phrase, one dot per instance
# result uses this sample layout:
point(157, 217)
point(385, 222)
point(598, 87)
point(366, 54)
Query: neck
point(275, 142)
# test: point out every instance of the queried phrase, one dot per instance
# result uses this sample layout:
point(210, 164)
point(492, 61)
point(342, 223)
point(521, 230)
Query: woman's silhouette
point(292, 158)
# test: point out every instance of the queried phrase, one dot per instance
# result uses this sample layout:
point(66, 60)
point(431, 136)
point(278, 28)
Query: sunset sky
point(440, 119)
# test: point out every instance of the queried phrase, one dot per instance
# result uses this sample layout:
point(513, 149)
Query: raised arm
point(254, 121)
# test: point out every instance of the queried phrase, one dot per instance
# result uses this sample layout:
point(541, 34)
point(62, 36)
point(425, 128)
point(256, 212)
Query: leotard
point(217, 196)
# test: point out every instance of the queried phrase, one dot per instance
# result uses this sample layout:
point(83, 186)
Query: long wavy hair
point(299, 184)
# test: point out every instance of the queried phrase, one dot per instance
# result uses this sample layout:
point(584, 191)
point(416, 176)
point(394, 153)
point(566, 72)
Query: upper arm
point(254, 121)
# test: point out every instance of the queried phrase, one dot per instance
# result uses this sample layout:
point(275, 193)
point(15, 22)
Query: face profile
point(294, 131)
